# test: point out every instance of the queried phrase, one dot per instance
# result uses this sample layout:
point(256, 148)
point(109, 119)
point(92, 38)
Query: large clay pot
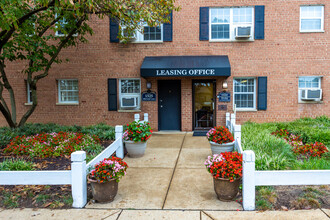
point(104, 192)
point(221, 148)
point(226, 190)
point(135, 149)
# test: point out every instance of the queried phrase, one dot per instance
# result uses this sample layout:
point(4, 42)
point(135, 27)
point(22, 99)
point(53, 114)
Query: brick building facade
point(284, 45)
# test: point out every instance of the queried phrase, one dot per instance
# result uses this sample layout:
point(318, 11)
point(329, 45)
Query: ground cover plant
point(300, 144)
point(46, 147)
point(274, 152)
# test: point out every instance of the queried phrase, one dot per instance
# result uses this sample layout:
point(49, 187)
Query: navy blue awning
point(185, 66)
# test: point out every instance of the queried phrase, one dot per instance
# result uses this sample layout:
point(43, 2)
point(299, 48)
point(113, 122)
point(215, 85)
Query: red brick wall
point(284, 55)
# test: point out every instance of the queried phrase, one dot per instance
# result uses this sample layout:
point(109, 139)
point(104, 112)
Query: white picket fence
point(145, 117)
point(253, 178)
point(76, 177)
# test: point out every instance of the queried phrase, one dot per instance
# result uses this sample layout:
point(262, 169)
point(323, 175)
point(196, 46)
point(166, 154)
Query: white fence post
point(232, 122)
point(136, 117)
point(237, 134)
point(146, 117)
point(78, 179)
point(227, 119)
point(119, 134)
point(249, 180)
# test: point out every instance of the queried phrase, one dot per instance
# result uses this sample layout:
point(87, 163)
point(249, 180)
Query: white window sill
point(126, 110)
point(310, 102)
point(313, 31)
point(67, 103)
point(230, 41)
point(246, 110)
point(146, 42)
point(28, 103)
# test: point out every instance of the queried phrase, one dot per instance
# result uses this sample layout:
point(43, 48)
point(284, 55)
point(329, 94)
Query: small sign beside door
point(224, 97)
point(148, 96)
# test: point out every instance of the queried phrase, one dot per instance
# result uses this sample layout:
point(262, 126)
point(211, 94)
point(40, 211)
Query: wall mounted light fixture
point(148, 85)
point(225, 85)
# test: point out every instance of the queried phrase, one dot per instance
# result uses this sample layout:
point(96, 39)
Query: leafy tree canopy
point(35, 31)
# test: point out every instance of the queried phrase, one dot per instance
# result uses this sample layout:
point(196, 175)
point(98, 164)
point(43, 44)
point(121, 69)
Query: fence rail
point(35, 177)
point(235, 130)
point(76, 177)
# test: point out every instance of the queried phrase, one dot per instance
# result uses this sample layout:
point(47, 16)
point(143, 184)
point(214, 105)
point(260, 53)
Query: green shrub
point(15, 165)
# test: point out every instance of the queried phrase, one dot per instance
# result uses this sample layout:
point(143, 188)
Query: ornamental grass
point(227, 165)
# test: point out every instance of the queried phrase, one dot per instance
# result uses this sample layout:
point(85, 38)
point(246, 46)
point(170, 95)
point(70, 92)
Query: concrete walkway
point(171, 175)
point(118, 214)
point(170, 182)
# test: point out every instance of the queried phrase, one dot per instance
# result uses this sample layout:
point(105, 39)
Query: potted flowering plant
point(104, 178)
point(135, 138)
point(226, 170)
point(221, 140)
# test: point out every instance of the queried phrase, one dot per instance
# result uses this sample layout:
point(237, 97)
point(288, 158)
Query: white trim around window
point(154, 35)
point(245, 89)
point(229, 18)
point(130, 92)
point(311, 15)
point(28, 93)
point(310, 83)
point(68, 91)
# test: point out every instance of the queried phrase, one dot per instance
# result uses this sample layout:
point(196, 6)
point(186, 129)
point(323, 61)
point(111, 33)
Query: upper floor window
point(63, 27)
point(312, 18)
point(130, 94)
point(148, 34)
point(245, 93)
point(68, 91)
point(231, 24)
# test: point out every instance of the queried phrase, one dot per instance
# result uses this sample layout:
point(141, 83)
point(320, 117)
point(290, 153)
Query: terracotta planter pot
point(135, 149)
point(221, 148)
point(104, 192)
point(226, 190)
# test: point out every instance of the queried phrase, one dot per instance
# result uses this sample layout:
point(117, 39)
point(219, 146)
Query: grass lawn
point(273, 153)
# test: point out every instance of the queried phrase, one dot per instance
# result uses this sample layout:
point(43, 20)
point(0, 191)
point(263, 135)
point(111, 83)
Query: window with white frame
point(68, 91)
point(309, 88)
point(130, 94)
point(245, 93)
point(148, 34)
point(28, 93)
point(312, 18)
point(229, 24)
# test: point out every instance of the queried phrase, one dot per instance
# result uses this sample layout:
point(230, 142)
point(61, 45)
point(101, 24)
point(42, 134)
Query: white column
point(136, 117)
point(146, 117)
point(249, 193)
point(119, 135)
point(78, 179)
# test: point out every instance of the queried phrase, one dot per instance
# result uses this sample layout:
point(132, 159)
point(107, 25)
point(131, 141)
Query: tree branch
point(21, 20)
point(59, 48)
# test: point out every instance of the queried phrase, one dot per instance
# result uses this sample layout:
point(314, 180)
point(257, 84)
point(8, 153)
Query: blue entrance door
point(169, 105)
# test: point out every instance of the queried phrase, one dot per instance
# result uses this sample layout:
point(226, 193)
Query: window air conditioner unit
point(311, 94)
point(129, 102)
point(242, 32)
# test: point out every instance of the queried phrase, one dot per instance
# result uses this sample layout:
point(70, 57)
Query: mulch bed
point(40, 196)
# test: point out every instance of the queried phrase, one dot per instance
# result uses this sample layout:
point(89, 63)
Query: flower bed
point(52, 144)
point(274, 153)
point(303, 150)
